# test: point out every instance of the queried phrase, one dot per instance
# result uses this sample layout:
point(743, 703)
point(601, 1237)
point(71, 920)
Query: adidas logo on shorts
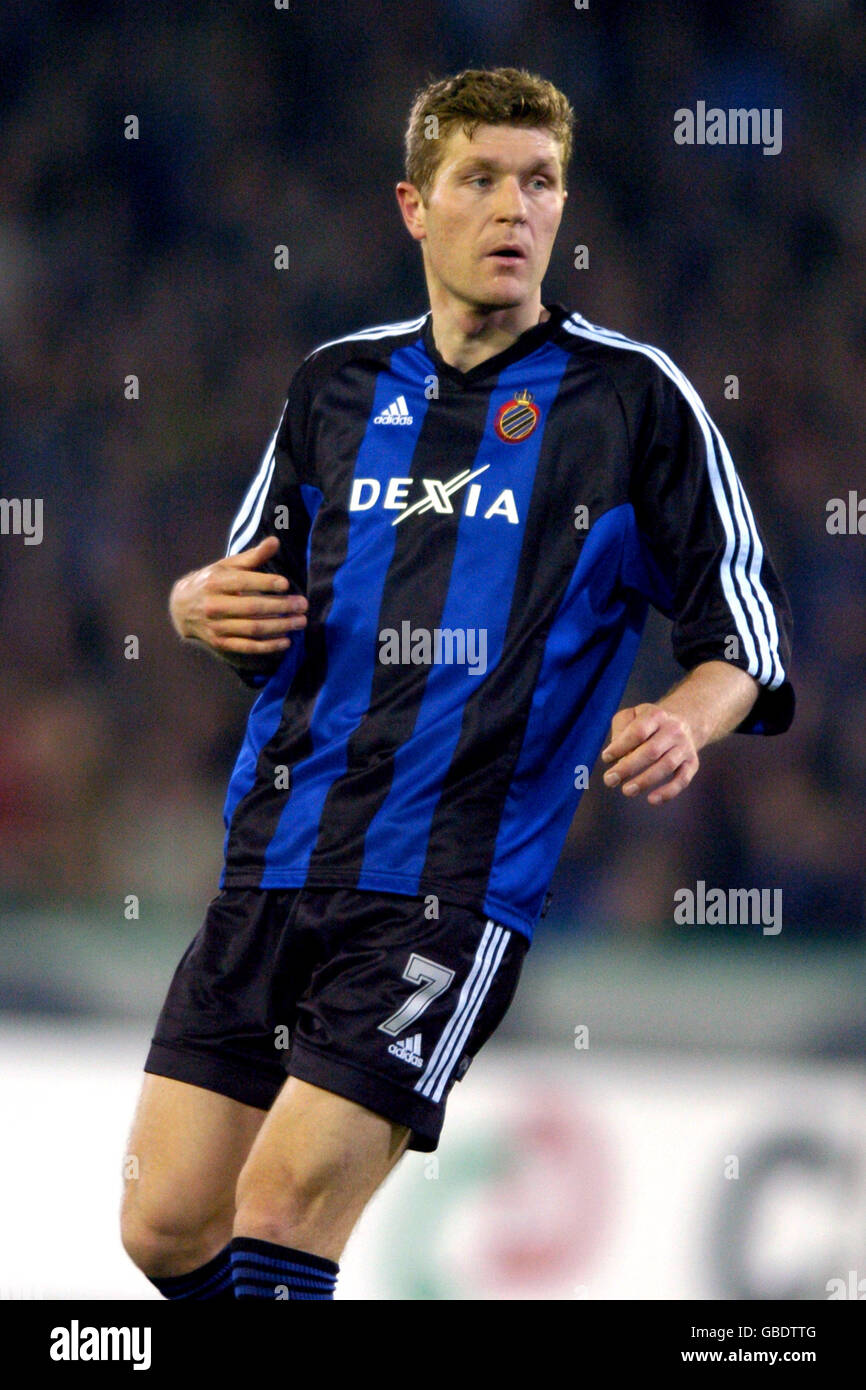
point(397, 413)
point(409, 1050)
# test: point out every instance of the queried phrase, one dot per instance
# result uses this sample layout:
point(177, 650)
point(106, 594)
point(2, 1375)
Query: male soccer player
point(438, 579)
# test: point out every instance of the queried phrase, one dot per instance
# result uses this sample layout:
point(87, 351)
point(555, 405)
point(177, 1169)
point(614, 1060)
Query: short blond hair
point(482, 96)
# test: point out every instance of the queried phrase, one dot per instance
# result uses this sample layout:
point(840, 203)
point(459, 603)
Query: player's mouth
point(506, 254)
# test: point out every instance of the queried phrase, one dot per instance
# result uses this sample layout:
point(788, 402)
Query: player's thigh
point(318, 1158)
point(185, 1151)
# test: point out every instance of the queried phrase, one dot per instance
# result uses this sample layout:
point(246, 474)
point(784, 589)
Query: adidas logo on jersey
point(409, 1050)
point(397, 413)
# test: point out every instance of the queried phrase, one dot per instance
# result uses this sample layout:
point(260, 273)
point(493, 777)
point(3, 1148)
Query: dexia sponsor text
point(77, 1343)
point(436, 497)
point(438, 646)
point(732, 907)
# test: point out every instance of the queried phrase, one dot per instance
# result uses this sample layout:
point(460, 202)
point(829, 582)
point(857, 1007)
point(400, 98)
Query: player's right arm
point(237, 610)
point(245, 607)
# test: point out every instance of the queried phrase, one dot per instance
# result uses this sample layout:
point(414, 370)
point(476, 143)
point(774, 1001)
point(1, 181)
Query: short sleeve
point(278, 502)
point(701, 557)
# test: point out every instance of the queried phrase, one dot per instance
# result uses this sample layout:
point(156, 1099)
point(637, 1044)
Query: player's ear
point(412, 209)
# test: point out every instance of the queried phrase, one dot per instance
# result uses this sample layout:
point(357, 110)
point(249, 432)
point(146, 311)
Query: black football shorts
point(365, 994)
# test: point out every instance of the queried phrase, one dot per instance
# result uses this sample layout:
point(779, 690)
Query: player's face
point(492, 214)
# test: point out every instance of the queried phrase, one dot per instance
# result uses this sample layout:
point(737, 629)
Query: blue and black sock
point(263, 1270)
point(213, 1280)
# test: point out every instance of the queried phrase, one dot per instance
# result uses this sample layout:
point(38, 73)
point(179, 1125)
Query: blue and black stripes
point(250, 1268)
point(260, 1269)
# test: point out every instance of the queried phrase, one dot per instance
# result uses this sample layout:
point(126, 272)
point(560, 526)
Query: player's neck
point(466, 336)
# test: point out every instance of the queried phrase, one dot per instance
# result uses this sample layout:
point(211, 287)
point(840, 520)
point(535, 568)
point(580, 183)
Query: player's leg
point(188, 1145)
point(316, 1162)
point(212, 1072)
point(396, 1007)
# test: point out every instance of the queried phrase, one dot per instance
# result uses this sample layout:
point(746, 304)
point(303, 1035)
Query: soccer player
point(437, 580)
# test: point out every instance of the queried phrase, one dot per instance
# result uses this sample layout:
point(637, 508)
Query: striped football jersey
point(478, 550)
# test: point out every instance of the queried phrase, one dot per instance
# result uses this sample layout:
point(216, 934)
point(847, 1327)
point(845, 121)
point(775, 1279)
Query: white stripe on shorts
point(447, 1051)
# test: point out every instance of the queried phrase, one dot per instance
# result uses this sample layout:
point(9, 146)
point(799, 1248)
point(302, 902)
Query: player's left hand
point(651, 749)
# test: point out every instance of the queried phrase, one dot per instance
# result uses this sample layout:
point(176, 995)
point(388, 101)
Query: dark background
point(156, 257)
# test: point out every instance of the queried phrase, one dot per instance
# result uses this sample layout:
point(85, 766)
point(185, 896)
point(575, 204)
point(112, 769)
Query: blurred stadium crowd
point(156, 257)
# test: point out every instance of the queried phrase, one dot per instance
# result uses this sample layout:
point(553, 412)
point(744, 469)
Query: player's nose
point(511, 203)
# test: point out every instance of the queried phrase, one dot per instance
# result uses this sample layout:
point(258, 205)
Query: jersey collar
point(528, 342)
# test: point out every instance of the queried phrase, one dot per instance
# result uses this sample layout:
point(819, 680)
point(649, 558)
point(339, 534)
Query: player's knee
point(161, 1246)
point(146, 1245)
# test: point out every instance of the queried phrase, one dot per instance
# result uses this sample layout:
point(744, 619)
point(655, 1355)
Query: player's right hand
point(235, 608)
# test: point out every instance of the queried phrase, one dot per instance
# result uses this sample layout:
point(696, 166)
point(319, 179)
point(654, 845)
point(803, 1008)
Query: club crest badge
point(517, 418)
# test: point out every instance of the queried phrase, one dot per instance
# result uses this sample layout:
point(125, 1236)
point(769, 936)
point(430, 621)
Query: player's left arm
point(699, 557)
point(654, 747)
